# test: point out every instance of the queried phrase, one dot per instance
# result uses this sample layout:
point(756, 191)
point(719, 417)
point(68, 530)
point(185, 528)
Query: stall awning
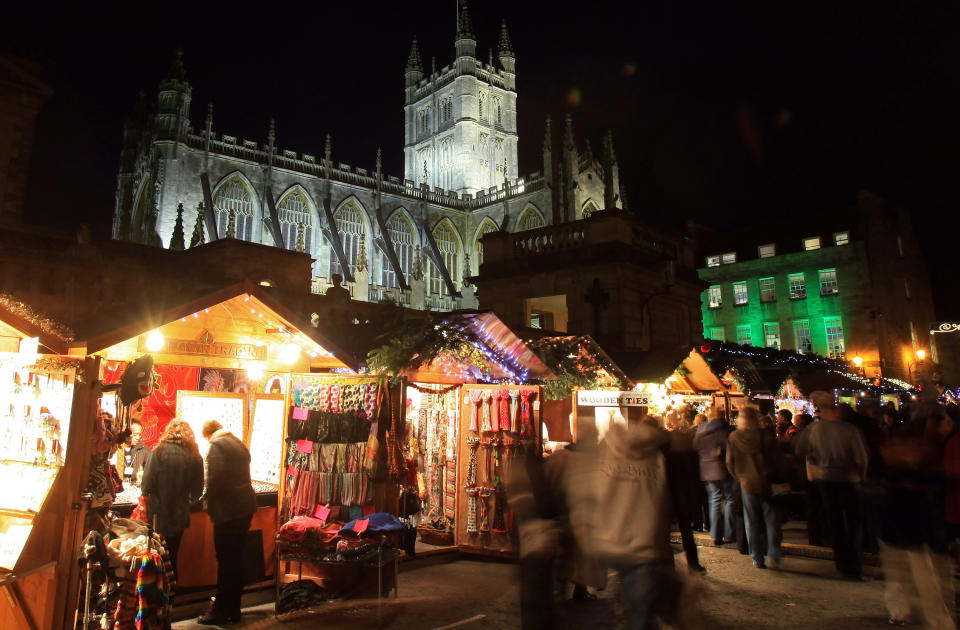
point(18, 321)
point(653, 366)
point(492, 332)
point(239, 323)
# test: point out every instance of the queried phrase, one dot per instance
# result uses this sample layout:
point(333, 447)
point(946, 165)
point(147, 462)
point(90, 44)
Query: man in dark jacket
point(230, 503)
point(132, 455)
point(710, 443)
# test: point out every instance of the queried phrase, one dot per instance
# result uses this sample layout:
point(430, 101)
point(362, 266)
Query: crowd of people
point(884, 481)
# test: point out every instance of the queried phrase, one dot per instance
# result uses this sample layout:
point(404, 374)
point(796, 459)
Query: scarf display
point(152, 600)
point(483, 493)
point(503, 407)
point(471, 485)
point(485, 422)
point(476, 398)
point(514, 411)
point(526, 422)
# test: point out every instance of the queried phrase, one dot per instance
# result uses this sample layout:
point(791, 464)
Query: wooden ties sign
point(612, 399)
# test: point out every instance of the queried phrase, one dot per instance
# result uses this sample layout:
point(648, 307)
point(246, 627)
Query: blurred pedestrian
point(231, 503)
point(710, 443)
point(172, 481)
point(683, 473)
point(752, 457)
point(836, 460)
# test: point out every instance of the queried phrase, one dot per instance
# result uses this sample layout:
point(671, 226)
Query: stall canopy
point(681, 369)
point(19, 322)
point(240, 326)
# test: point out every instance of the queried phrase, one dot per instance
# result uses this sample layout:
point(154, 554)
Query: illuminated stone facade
point(415, 239)
point(851, 285)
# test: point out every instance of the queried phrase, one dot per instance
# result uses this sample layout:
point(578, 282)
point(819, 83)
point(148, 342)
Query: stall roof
point(493, 332)
point(584, 344)
point(149, 314)
point(18, 320)
point(653, 365)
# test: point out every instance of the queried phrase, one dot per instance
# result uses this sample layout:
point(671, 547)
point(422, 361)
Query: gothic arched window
point(401, 235)
point(350, 226)
point(295, 215)
point(589, 209)
point(529, 220)
point(449, 246)
point(234, 198)
point(485, 228)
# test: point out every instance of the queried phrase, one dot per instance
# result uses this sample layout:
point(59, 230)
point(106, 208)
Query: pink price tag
point(299, 413)
point(304, 446)
point(322, 512)
point(361, 525)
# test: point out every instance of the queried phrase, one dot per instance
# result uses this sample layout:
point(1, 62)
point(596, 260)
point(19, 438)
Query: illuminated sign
point(217, 349)
point(613, 399)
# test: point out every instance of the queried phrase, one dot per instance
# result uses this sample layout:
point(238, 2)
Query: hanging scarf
point(487, 397)
point(525, 420)
point(503, 404)
point(484, 516)
point(476, 397)
point(152, 600)
point(471, 485)
point(514, 408)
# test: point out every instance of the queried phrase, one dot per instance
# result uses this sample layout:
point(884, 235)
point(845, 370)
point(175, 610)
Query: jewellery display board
point(198, 407)
point(266, 437)
point(498, 423)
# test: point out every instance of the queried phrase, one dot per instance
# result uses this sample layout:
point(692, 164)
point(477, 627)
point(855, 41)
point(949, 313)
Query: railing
point(549, 239)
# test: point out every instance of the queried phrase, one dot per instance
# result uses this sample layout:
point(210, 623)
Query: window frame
point(749, 335)
point(830, 346)
point(836, 282)
point(723, 334)
point(713, 261)
point(771, 253)
point(803, 279)
point(731, 255)
point(719, 294)
point(746, 293)
point(845, 234)
point(768, 326)
point(809, 336)
point(773, 290)
point(807, 242)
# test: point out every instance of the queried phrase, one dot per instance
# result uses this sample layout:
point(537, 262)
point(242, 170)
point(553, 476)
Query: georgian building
point(850, 283)
point(414, 239)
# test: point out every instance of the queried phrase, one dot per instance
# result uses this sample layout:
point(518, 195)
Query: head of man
point(748, 418)
point(785, 416)
point(209, 428)
point(136, 429)
point(825, 405)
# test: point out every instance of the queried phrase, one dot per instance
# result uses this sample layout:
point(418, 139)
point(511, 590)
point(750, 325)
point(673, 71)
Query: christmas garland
point(574, 366)
point(42, 322)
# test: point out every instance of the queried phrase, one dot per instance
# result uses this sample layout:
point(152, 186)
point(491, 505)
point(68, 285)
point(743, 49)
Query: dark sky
point(729, 114)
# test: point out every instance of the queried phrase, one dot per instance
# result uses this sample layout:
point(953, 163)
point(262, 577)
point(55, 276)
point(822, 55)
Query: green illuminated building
point(853, 284)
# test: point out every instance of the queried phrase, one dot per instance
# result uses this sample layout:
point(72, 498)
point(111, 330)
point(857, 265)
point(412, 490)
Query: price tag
point(536, 405)
point(322, 512)
point(361, 525)
point(300, 413)
point(304, 446)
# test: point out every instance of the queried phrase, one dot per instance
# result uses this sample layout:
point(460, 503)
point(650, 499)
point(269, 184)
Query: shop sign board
point(612, 399)
point(219, 349)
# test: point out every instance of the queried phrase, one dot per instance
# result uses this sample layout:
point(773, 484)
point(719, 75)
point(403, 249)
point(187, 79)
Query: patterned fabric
point(525, 413)
point(471, 485)
point(487, 397)
point(450, 490)
point(334, 399)
point(152, 600)
point(483, 494)
point(370, 401)
point(503, 405)
point(476, 398)
point(514, 409)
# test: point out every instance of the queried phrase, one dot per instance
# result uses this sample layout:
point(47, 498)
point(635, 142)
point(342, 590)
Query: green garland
point(574, 366)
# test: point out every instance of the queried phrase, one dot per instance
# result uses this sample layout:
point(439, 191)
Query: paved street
point(483, 594)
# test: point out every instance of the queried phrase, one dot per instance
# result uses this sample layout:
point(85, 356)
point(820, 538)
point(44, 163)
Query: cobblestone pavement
point(471, 593)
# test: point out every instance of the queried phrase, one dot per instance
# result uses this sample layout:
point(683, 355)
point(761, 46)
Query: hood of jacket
point(637, 441)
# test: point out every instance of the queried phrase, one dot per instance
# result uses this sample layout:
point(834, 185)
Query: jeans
point(843, 511)
point(650, 591)
point(756, 510)
point(720, 496)
point(228, 542)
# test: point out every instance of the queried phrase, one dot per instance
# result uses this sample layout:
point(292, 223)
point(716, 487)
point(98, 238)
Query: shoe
point(759, 564)
point(718, 543)
point(214, 617)
point(697, 568)
point(897, 622)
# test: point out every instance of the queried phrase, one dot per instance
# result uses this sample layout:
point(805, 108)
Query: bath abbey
point(415, 239)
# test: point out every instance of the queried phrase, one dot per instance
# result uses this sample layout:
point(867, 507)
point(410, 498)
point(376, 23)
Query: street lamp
point(921, 354)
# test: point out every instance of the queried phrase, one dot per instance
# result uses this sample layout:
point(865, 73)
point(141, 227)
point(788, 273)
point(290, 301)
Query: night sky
point(731, 115)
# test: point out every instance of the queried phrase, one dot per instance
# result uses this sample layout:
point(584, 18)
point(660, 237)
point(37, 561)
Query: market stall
point(233, 355)
point(46, 402)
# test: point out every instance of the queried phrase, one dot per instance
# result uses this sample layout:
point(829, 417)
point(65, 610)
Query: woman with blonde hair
point(172, 480)
point(752, 458)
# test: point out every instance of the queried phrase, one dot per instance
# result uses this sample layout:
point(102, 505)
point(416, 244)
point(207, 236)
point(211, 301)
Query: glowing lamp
point(858, 361)
point(154, 341)
point(289, 353)
point(255, 371)
point(921, 354)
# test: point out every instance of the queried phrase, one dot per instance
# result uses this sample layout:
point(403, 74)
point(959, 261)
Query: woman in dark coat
point(172, 480)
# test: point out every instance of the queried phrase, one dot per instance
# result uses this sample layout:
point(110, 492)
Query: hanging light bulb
point(254, 371)
point(289, 353)
point(154, 340)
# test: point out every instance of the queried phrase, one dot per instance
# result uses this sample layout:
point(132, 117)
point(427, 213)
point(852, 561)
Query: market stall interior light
point(154, 341)
point(255, 371)
point(858, 361)
point(921, 354)
point(289, 353)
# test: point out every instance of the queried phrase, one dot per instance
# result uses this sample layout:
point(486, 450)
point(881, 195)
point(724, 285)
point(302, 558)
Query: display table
point(384, 557)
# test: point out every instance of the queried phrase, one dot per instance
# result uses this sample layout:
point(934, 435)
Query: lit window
point(713, 261)
point(536, 320)
point(351, 228)
point(740, 293)
point(296, 221)
point(835, 348)
point(767, 251)
point(811, 243)
point(906, 289)
point(771, 335)
point(828, 282)
point(401, 235)
point(913, 336)
point(729, 258)
point(801, 332)
point(234, 198)
point(716, 334)
point(716, 298)
point(900, 245)
point(798, 286)
point(446, 241)
point(841, 238)
point(743, 335)
point(768, 291)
